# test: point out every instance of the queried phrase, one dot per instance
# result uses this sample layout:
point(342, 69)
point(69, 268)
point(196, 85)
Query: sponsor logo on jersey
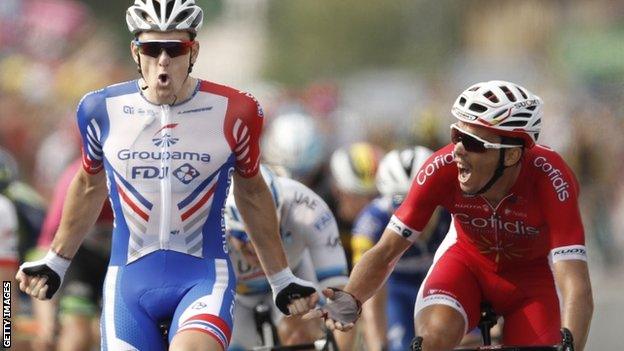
point(185, 173)
point(129, 110)
point(249, 95)
point(160, 139)
point(303, 199)
point(406, 233)
point(432, 166)
point(126, 154)
point(555, 176)
point(323, 221)
point(570, 251)
point(493, 222)
point(201, 109)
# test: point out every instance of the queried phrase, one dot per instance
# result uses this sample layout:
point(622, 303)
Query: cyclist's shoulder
point(548, 166)
point(97, 98)
point(298, 197)
point(227, 91)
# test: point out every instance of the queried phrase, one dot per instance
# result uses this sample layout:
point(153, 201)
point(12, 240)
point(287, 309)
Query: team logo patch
point(167, 139)
point(186, 173)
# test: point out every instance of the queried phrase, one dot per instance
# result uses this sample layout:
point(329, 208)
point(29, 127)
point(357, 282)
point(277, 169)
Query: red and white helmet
point(164, 16)
point(504, 107)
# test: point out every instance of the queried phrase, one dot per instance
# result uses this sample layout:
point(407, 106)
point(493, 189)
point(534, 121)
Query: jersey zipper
point(165, 181)
point(496, 219)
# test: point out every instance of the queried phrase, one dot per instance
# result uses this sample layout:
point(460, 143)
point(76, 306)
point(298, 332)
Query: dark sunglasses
point(173, 48)
point(473, 143)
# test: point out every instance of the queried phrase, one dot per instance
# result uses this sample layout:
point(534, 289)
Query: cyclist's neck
point(503, 185)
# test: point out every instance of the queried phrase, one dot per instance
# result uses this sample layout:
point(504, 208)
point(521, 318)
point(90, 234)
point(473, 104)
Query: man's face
point(476, 169)
point(164, 75)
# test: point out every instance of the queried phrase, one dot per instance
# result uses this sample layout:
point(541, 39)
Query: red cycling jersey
point(499, 252)
point(539, 216)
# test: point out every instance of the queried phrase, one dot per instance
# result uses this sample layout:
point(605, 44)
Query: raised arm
point(83, 204)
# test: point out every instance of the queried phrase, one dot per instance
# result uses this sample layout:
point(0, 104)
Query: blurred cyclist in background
point(353, 169)
point(168, 145)
point(80, 297)
point(29, 206)
point(310, 237)
point(293, 140)
point(517, 241)
point(9, 260)
point(389, 315)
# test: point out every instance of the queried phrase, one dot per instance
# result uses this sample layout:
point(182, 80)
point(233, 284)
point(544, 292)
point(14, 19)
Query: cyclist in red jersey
point(517, 235)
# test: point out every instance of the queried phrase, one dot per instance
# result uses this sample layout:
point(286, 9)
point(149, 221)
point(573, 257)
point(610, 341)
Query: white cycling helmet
point(398, 168)
point(234, 224)
point(354, 167)
point(504, 107)
point(164, 16)
point(294, 141)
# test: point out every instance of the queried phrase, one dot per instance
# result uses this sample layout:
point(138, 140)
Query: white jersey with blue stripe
point(310, 238)
point(168, 168)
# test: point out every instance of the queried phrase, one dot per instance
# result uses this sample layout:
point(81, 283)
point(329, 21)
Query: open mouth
point(163, 78)
point(464, 173)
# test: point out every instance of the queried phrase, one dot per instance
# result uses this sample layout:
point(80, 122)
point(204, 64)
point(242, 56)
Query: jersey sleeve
point(559, 190)
point(243, 127)
point(433, 184)
point(311, 216)
point(91, 127)
point(8, 233)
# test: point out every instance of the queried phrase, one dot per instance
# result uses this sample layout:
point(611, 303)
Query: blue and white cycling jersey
point(410, 270)
point(168, 169)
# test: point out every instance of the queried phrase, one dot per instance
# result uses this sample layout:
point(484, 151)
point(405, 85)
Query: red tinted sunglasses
point(173, 48)
point(473, 143)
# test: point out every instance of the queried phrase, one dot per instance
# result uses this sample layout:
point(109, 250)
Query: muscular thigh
point(535, 318)
point(208, 307)
point(453, 283)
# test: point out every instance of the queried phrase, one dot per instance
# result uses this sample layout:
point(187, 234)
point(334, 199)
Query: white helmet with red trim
point(504, 107)
point(164, 16)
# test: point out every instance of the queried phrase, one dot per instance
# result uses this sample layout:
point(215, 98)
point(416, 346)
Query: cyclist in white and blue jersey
point(310, 238)
point(389, 315)
point(169, 145)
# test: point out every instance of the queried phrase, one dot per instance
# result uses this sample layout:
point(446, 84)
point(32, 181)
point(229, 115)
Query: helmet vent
point(169, 8)
point(180, 17)
point(523, 114)
point(524, 95)
point(490, 96)
point(475, 88)
point(537, 123)
point(477, 108)
point(531, 108)
point(508, 92)
point(513, 124)
point(499, 113)
point(462, 101)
